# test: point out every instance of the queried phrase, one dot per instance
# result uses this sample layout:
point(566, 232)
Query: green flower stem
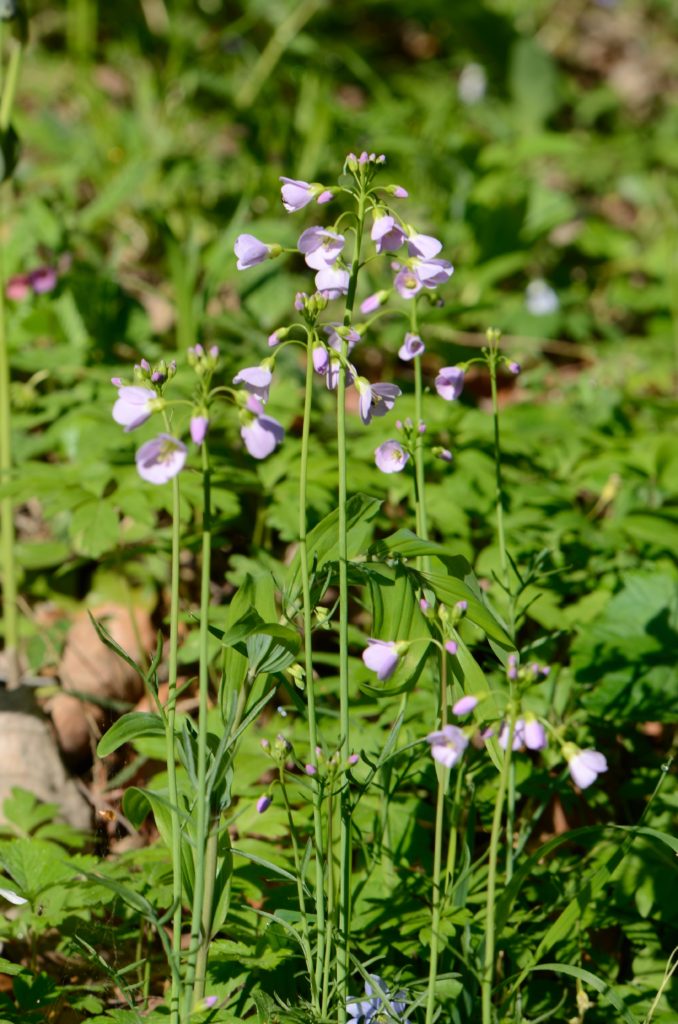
point(443, 780)
point(343, 951)
point(451, 865)
point(7, 559)
point(306, 946)
point(443, 776)
point(488, 966)
point(308, 667)
point(492, 361)
point(510, 819)
point(420, 481)
point(195, 982)
point(170, 752)
point(331, 889)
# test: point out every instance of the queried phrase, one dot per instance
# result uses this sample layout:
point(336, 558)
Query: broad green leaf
point(323, 540)
point(596, 983)
point(128, 728)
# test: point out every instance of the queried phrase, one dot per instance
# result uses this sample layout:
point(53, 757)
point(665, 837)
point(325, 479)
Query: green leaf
point(95, 528)
point(596, 983)
point(128, 728)
point(323, 540)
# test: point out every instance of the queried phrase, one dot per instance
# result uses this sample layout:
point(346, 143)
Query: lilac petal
point(424, 246)
point(534, 735)
point(411, 347)
point(199, 425)
point(332, 282)
point(449, 383)
point(256, 380)
point(391, 457)
point(161, 459)
point(381, 656)
point(586, 766)
point(132, 407)
point(320, 247)
point(464, 705)
point(250, 251)
point(407, 283)
point(262, 436)
point(43, 280)
point(434, 272)
point(295, 194)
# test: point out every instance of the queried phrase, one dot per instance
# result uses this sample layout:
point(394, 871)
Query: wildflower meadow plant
point(426, 605)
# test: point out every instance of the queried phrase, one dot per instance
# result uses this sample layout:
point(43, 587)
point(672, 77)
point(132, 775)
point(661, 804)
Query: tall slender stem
point(308, 666)
point(499, 499)
point(420, 481)
point(170, 753)
point(488, 966)
point(7, 559)
point(443, 775)
point(343, 957)
point(195, 984)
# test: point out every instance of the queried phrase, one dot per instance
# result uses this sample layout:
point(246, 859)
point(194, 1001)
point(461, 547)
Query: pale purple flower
point(210, 1001)
point(382, 657)
point(391, 457)
point(449, 382)
point(263, 803)
point(461, 607)
point(373, 302)
point(321, 248)
point(518, 735)
point(274, 338)
point(134, 406)
point(199, 425)
point(376, 1008)
point(534, 734)
point(310, 769)
point(334, 339)
point(261, 435)
point(451, 646)
point(424, 246)
point(13, 897)
point(296, 194)
point(353, 759)
point(585, 767)
point(445, 454)
point(161, 459)
point(375, 399)
point(540, 298)
point(472, 84)
point(514, 368)
point(250, 251)
point(43, 279)
point(411, 347)
point(464, 705)
point(256, 380)
point(320, 357)
point(145, 365)
point(432, 272)
point(387, 234)
point(447, 744)
point(406, 283)
point(325, 197)
point(332, 282)
point(512, 666)
point(300, 300)
point(117, 382)
point(399, 192)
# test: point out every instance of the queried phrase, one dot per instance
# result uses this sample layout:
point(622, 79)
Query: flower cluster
point(164, 456)
point(379, 1004)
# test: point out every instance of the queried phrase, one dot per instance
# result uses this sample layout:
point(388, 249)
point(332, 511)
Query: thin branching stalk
point(495, 836)
point(195, 983)
point(316, 783)
point(443, 780)
point(343, 951)
point(170, 752)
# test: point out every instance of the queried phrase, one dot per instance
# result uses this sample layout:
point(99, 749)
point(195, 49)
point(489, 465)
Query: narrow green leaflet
point(595, 983)
point(130, 727)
